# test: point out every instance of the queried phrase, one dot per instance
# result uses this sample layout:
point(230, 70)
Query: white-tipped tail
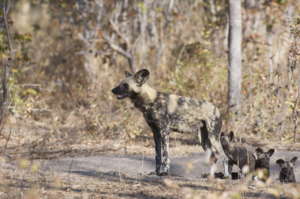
point(208, 155)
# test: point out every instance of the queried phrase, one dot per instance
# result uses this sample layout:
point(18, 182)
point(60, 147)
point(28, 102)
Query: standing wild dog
point(286, 174)
point(168, 112)
point(237, 154)
point(262, 163)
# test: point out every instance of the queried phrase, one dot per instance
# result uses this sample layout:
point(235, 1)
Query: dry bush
point(65, 69)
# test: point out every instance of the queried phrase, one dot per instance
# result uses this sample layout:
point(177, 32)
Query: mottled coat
point(168, 112)
point(237, 154)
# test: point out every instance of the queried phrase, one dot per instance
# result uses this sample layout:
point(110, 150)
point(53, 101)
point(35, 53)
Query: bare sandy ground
point(118, 175)
point(190, 167)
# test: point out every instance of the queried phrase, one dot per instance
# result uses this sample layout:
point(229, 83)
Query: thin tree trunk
point(4, 103)
point(235, 72)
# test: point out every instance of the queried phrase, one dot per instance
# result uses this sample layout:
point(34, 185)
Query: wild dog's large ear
point(222, 134)
point(293, 160)
point(231, 136)
point(280, 162)
point(270, 152)
point(141, 76)
point(128, 74)
point(258, 150)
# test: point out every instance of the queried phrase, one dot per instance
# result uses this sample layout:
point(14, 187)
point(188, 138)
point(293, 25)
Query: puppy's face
point(287, 170)
point(263, 158)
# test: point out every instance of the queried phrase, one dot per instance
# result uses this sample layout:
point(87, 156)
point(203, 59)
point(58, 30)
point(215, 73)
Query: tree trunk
point(235, 73)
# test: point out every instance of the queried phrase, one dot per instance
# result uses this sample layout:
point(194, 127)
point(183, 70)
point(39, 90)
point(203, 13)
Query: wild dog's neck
point(146, 96)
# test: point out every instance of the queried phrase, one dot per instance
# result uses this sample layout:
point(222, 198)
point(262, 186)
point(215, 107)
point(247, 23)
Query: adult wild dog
point(168, 112)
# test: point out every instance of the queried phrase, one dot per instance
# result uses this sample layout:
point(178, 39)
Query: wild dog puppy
point(286, 174)
point(169, 112)
point(237, 154)
point(262, 163)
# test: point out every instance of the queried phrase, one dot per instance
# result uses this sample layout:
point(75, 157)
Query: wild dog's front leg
point(161, 139)
point(157, 141)
point(165, 162)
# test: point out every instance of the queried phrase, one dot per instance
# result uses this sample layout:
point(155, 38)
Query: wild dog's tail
point(208, 146)
point(205, 141)
point(210, 139)
point(218, 127)
point(207, 137)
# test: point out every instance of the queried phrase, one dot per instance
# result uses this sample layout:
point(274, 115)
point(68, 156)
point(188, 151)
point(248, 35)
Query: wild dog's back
point(186, 114)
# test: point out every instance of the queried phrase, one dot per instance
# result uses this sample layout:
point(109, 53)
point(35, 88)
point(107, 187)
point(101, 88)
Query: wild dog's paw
point(219, 175)
point(163, 174)
point(235, 176)
point(162, 171)
point(152, 173)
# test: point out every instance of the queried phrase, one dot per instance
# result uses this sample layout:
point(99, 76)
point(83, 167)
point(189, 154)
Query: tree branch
point(6, 8)
point(121, 51)
point(117, 31)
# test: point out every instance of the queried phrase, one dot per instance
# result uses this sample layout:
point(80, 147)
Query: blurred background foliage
point(65, 63)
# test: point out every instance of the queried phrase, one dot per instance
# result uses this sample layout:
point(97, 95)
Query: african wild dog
point(286, 173)
point(237, 154)
point(168, 112)
point(262, 163)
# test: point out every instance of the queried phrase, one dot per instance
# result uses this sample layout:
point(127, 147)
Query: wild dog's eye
point(125, 85)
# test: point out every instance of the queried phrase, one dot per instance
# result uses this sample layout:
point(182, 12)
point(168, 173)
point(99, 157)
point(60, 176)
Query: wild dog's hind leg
point(214, 151)
point(228, 164)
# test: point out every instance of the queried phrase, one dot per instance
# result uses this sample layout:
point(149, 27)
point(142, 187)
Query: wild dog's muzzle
point(120, 93)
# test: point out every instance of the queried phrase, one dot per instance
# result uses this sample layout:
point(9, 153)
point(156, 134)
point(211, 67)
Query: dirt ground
point(126, 173)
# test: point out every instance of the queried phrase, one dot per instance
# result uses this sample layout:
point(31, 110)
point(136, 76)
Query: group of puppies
point(255, 162)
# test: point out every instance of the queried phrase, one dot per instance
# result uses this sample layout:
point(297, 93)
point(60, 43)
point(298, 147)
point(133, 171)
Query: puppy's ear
point(222, 134)
point(280, 162)
point(141, 76)
point(293, 160)
point(128, 74)
point(258, 151)
point(231, 136)
point(270, 152)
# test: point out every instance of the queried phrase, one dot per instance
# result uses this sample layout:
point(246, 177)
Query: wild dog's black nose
point(114, 90)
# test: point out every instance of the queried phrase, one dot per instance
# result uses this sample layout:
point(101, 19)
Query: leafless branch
point(121, 51)
point(6, 9)
point(6, 143)
point(117, 31)
point(117, 48)
point(295, 114)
